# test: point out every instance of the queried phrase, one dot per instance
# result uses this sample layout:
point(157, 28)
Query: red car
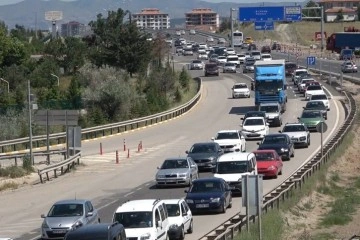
point(268, 163)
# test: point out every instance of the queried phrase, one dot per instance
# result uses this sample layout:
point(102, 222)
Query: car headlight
point(189, 201)
point(182, 174)
point(211, 158)
point(302, 138)
point(271, 167)
point(284, 150)
point(145, 236)
point(214, 199)
point(160, 176)
point(263, 129)
point(173, 226)
point(77, 224)
point(45, 225)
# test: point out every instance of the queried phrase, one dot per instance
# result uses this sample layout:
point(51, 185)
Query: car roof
point(173, 201)
point(240, 84)
point(233, 156)
point(221, 131)
point(291, 124)
point(208, 179)
point(71, 201)
point(142, 205)
point(205, 143)
point(249, 118)
point(91, 228)
point(175, 158)
point(264, 151)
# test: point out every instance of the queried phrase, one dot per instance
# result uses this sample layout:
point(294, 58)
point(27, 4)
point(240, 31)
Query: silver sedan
point(177, 172)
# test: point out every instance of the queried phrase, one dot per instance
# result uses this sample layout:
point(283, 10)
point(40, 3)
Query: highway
point(109, 184)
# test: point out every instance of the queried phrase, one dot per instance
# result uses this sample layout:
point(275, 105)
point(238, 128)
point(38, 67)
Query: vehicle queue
point(225, 155)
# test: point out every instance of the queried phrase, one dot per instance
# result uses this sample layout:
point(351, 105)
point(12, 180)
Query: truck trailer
point(270, 82)
point(343, 40)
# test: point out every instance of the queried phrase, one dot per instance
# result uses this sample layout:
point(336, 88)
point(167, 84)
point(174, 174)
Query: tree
point(74, 54)
point(225, 25)
point(118, 43)
point(12, 50)
point(311, 12)
point(74, 94)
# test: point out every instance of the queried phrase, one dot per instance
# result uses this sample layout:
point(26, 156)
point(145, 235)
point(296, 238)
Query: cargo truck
point(343, 40)
point(270, 82)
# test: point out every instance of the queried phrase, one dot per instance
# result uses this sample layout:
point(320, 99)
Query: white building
point(152, 18)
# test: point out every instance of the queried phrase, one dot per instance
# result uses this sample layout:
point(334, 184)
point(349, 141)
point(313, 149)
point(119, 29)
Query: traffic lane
point(169, 139)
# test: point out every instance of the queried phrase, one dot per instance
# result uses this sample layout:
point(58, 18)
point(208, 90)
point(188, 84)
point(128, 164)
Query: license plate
point(59, 231)
point(201, 164)
point(294, 140)
point(202, 205)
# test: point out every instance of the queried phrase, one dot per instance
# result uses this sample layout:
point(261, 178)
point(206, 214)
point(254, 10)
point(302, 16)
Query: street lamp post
point(8, 86)
point(57, 78)
point(30, 124)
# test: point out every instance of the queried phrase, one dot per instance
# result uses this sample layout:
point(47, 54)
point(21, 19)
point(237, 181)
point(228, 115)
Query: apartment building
point(73, 29)
point(152, 18)
point(348, 9)
point(202, 19)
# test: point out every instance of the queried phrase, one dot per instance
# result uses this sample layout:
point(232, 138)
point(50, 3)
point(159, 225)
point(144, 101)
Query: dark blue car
point(281, 143)
point(209, 195)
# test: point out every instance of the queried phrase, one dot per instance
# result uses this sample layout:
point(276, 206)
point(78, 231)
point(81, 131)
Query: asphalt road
point(109, 184)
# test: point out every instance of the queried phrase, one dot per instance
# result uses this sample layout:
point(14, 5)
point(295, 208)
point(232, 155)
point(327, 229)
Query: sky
point(6, 2)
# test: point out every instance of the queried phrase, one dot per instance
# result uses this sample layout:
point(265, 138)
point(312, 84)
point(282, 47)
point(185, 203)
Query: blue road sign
point(292, 13)
point(311, 60)
point(260, 14)
point(268, 25)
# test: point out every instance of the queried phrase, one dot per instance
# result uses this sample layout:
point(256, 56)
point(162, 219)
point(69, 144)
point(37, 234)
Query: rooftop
point(338, 9)
point(201, 10)
point(150, 11)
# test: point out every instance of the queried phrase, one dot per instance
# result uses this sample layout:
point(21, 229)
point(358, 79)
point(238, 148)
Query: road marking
point(128, 194)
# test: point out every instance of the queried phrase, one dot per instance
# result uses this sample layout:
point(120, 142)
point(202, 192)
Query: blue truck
point(270, 82)
point(343, 40)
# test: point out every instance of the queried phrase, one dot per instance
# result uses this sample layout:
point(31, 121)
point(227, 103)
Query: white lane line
point(128, 194)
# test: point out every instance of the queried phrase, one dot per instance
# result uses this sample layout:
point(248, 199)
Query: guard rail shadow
point(104, 130)
point(274, 198)
point(63, 167)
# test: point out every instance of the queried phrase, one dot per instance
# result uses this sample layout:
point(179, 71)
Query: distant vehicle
point(311, 118)
point(248, 67)
point(196, 64)
point(313, 90)
point(229, 67)
point(323, 97)
point(249, 40)
point(265, 49)
point(252, 47)
point(273, 112)
point(266, 57)
point(317, 105)
point(276, 46)
point(241, 57)
point(233, 59)
point(182, 32)
point(178, 33)
point(179, 50)
point(240, 90)
point(230, 141)
point(213, 58)
point(211, 69)
point(254, 114)
point(180, 218)
point(269, 163)
point(237, 39)
point(67, 215)
point(279, 142)
point(302, 84)
point(342, 40)
point(205, 154)
point(180, 171)
point(302, 75)
point(255, 127)
point(188, 52)
point(192, 32)
point(256, 54)
point(210, 39)
point(203, 56)
point(349, 67)
point(209, 195)
point(221, 60)
point(230, 51)
point(298, 133)
point(221, 41)
point(290, 68)
point(103, 231)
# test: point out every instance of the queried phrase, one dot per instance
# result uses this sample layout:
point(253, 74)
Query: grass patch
point(273, 224)
point(13, 172)
point(8, 185)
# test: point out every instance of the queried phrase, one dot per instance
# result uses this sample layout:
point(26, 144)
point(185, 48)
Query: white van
point(233, 166)
point(143, 219)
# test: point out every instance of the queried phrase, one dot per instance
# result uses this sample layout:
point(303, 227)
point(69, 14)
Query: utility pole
point(232, 27)
point(322, 28)
point(30, 125)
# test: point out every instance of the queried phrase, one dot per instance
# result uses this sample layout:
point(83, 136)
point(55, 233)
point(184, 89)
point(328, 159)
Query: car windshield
point(134, 219)
point(298, 73)
point(221, 57)
point(173, 210)
point(175, 163)
point(253, 122)
point(66, 210)
point(264, 156)
point(294, 128)
point(304, 81)
point(266, 56)
point(233, 59)
point(196, 61)
point(319, 97)
point(290, 65)
point(314, 87)
point(277, 139)
point(269, 109)
point(227, 135)
point(202, 148)
point(254, 114)
point(311, 114)
point(238, 86)
point(250, 63)
point(229, 64)
point(255, 53)
point(232, 167)
point(315, 105)
point(205, 186)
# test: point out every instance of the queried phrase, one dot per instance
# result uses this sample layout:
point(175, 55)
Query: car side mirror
point(193, 166)
point(258, 143)
point(279, 131)
point(186, 191)
point(187, 152)
point(298, 118)
point(184, 213)
point(213, 138)
point(242, 118)
point(303, 107)
point(89, 214)
point(267, 124)
point(327, 109)
point(42, 216)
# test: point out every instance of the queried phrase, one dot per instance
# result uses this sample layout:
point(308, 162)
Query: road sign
point(53, 15)
point(321, 127)
point(311, 60)
point(269, 25)
point(57, 117)
point(292, 13)
point(260, 14)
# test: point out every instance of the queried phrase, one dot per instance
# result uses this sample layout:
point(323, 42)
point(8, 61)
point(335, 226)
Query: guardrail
point(234, 225)
point(16, 156)
point(104, 130)
point(63, 166)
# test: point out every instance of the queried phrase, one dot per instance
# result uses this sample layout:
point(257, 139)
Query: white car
point(210, 39)
point(192, 32)
point(255, 128)
point(323, 97)
point(298, 133)
point(230, 141)
point(296, 74)
point(203, 46)
point(233, 59)
point(229, 67)
point(256, 54)
point(240, 90)
point(266, 56)
point(302, 83)
point(230, 51)
point(241, 57)
point(203, 56)
point(221, 60)
point(180, 218)
point(196, 64)
point(178, 33)
point(313, 90)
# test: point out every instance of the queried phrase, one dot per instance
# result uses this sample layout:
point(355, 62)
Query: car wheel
point(276, 176)
point(182, 234)
point(293, 154)
point(230, 203)
point(223, 207)
point(218, 74)
point(190, 180)
point(99, 220)
point(249, 96)
point(191, 227)
point(280, 173)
